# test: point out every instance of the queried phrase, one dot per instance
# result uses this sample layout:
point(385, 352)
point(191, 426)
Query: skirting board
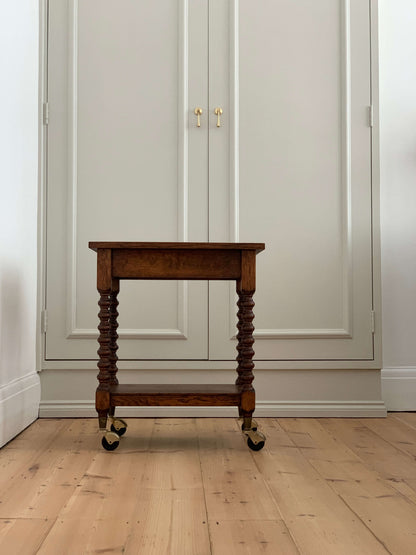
point(19, 405)
point(313, 409)
point(399, 388)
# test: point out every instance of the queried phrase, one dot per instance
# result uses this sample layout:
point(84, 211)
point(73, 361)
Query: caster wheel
point(118, 431)
point(119, 427)
point(110, 441)
point(255, 446)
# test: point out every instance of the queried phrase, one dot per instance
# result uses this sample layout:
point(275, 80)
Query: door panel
point(298, 177)
point(290, 166)
point(126, 162)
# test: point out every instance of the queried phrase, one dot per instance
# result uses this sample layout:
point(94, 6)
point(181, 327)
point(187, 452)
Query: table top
point(94, 245)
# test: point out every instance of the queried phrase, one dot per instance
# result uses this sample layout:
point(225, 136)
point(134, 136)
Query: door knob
point(218, 113)
point(198, 113)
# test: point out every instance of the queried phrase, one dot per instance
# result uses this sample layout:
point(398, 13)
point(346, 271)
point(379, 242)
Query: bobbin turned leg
point(245, 290)
point(113, 331)
point(105, 353)
point(118, 425)
point(245, 354)
point(102, 398)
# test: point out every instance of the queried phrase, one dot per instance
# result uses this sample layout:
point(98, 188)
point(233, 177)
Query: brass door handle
point(218, 113)
point(198, 113)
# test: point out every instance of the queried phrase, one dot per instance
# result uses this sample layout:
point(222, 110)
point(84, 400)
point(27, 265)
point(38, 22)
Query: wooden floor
point(191, 486)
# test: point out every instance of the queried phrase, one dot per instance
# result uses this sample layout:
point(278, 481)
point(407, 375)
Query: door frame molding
point(42, 181)
point(375, 184)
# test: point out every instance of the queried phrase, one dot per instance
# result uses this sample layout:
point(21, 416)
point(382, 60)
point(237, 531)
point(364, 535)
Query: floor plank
point(41, 488)
point(85, 536)
point(234, 488)
point(382, 456)
point(24, 450)
point(389, 515)
point(192, 486)
point(145, 497)
point(251, 537)
point(170, 521)
point(407, 417)
point(110, 485)
point(396, 432)
point(317, 518)
point(23, 536)
point(170, 513)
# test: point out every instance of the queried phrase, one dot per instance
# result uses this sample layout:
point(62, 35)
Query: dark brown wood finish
point(132, 260)
point(95, 245)
point(113, 332)
point(246, 286)
point(176, 264)
point(102, 397)
point(175, 395)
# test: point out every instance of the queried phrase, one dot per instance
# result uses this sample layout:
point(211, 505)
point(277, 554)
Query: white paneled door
point(289, 164)
point(296, 174)
point(126, 161)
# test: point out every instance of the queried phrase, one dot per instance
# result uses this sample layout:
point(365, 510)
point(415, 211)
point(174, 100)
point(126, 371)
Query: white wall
point(398, 199)
point(19, 382)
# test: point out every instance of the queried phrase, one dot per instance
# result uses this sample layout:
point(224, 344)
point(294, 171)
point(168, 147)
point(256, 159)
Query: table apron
point(175, 264)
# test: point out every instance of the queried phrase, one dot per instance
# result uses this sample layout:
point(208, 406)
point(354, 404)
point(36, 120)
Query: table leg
point(113, 332)
point(113, 336)
point(245, 355)
point(102, 400)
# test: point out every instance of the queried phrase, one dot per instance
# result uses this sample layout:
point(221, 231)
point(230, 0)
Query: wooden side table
point(130, 260)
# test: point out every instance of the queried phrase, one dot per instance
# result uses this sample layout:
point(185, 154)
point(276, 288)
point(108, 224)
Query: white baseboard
point(399, 388)
point(19, 405)
point(314, 409)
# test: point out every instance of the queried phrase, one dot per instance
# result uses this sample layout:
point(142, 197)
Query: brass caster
point(110, 441)
point(118, 426)
point(254, 424)
point(255, 439)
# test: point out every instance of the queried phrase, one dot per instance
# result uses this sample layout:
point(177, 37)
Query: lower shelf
point(174, 395)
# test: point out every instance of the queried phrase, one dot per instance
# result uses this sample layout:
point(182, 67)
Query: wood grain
point(150, 500)
point(379, 455)
point(247, 282)
point(175, 394)
point(176, 264)
point(40, 488)
point(23, 452)
point(104, 280)
point(192, 486)
point(249, 537)
point(387, 513)
point(23, 536)
point(234, 490)
point(318, 519)
point(408, 418)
